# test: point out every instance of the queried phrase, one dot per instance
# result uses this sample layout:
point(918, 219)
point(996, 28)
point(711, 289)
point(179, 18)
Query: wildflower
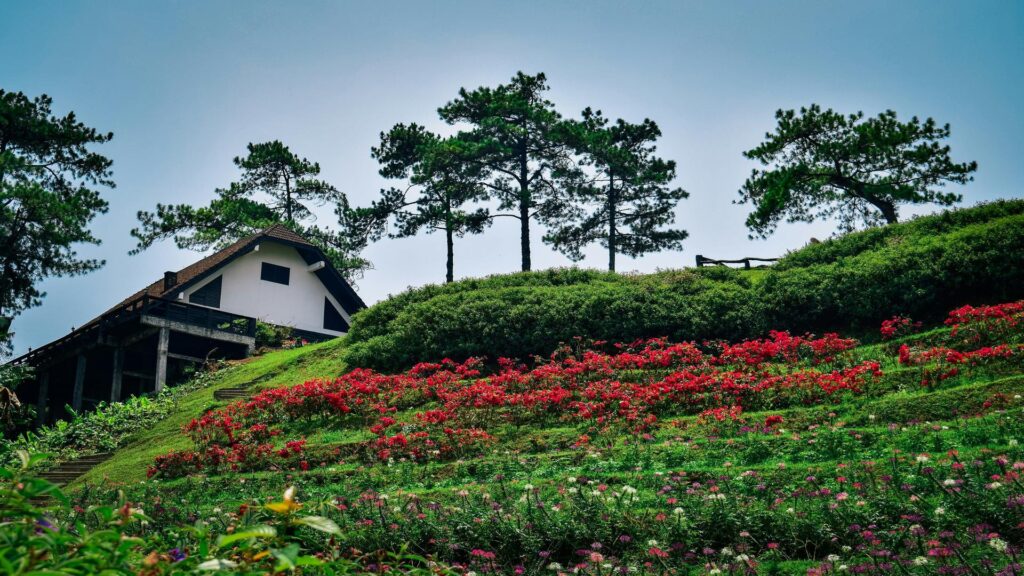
point(922, 459)
point(833, 558)
point(678, 511)
point(997, 544)
point(554, 566)
point(920, 561)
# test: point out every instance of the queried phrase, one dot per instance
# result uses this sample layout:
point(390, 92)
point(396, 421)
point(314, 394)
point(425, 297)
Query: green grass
point(279, 368)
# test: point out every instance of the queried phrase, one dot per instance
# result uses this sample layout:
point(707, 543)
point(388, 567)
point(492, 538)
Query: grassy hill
point(766, 453)
point(778, 454)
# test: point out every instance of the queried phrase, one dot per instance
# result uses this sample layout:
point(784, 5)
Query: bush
point(105, 428)
point(921, 278)
point(533, 318)
point(920, 269)
point(921, 227)
point(271, 335)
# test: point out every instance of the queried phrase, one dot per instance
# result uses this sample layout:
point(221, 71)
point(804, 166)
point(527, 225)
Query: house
point(208, 309)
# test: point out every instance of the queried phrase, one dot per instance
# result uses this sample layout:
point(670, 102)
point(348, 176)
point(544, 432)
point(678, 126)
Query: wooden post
point(118, 376)
point(163, 342)
point(43, 402)
point(76, 395)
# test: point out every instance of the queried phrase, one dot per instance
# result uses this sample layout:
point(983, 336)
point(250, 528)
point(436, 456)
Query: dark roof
point(196, 271)
point(332, 279)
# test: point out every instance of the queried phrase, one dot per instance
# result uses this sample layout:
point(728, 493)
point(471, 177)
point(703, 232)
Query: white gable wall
point(300, 304)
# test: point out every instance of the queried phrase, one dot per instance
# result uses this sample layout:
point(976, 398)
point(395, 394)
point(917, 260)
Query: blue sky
point(185, 85)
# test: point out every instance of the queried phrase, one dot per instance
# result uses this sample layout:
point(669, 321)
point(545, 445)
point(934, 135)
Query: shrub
point(875, 238)
point(919, 278)
point(271, 335)
point(519, 321)
point(853, 283)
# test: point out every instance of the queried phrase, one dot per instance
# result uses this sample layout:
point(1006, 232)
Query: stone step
point(231, 393)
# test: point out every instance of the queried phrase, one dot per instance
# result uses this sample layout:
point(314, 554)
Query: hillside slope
point(278, 368)
point(921, 268)
point(780, 455)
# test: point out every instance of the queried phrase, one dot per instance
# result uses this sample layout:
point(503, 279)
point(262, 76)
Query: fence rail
point(172, 310)
point(201, 316)
point(704, 261)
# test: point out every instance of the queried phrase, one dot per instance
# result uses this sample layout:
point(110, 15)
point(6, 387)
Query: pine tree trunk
point(888, 212)
point(450, 264)
point(611, 223)
point(450, 276)
point(524, 209)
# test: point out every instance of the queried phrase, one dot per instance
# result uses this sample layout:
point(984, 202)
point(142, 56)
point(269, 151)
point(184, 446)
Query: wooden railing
point(193, 315)
point(172, 310)
point(702, 261)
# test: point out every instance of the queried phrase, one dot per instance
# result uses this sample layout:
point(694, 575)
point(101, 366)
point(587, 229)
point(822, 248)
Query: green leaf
point(261, 531)
point(319, 523)
point(217, 564)
point(25, 458)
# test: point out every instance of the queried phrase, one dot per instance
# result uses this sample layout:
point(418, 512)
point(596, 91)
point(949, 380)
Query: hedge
point(922, 269)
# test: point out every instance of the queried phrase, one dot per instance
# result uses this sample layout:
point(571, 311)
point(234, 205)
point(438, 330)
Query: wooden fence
point(703, 261)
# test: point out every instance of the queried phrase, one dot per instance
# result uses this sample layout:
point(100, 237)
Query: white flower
point(995, 486)
point(843, 568)
point(920, 561)
point(554, 566)
point(727, 551)
point(742, 558)
point(832, 558)
point(940, 511)
point(1012, 442)
point(922, 459)
point(949, 482)
point(528, 487)
point(652, 542)
point(571, 479)
point(714, 571)
point(679, 511)
point(997, 544)
point(791, 510)
point(871, 417)
point(629, 490)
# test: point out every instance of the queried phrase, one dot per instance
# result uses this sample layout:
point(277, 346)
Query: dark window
point(274, 273)
point(333, 319)
point(208, 295)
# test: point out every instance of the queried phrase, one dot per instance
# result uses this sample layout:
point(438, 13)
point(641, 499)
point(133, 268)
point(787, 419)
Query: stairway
point(232, 394)
point(72, 469)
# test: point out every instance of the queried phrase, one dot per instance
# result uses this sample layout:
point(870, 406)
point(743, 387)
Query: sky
point(185, 85)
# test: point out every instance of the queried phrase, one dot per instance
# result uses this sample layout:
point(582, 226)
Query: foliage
point(271, 335)
point(445, 178)
point(524, 320)
point(102, 429)
point(917, 277)
point(754, 464)
point(276, 186)
point(514, 138)
point(118, 539)
point(909, 231)
point(49, 194)
point(928, 265)
point(821, 164)
point(627, 192)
